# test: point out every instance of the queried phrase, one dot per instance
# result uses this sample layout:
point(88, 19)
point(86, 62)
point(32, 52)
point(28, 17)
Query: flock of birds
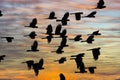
point(61, 34)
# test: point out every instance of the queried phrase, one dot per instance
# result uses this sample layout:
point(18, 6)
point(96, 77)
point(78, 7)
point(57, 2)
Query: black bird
point(52, 15)
point(2, 57)
point(59, 50)
point(100, 4)
point(79, 62)
point(49, 38)
point(77, 15)
point(91, 69)
point(58, 29)
point(32, 35)
point(90, 39)
point(61, 60)
point(29, 64)
point(1, 13)
point(95, 52)
point(64, 42)
point(63, 34)
point(34, 46)
point(95, 33)
point(91, 15)
point(62, 77)
point(38, 66)
point(33, 23)
point(64, 19)
point(77, 38)
point(49, 29)
point(9, 39)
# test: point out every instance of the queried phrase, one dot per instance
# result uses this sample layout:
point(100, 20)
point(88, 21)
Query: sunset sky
point(19, 13)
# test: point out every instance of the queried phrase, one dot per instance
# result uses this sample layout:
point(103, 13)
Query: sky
point(19, 13)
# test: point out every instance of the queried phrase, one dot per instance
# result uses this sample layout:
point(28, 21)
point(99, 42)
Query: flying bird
point(1, 13)
point(49, 29)
point(64, 19)
point(91, 15)
point(29, 64)
point(77, 38)
point(64, 42)
point(89, 40)
point(63, 34)
point(2, 57)
point(59, 50)
point(34, 46)
point(33, 23)
point(95, 52)
point(95, 33)
point(100, 4)
point(61, 60)
point(62, 77)
point(77, 15)
point(91, 69)
point(52, 15)
point(9, 39)
point(49, 38)
point(32, 35)
point(41, 62)
point(58, 29)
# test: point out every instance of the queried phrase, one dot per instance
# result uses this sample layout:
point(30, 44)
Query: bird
point(77, 15)
point(77, 38)
point(91, 15)
point(33, 23)
point(89, 40)
point(49, 29)
point(29, 64)
point(52, 15)
point(49, 38)
point(95, 33)
point(59, 50)
point(31, 35)
point(58, 29)
point(34, 46)
point(1, 13)
point(91, 69)
point(2, 57)
point(64, 42)
point(64, 19)
point(100, 4)
point(62, 77)
point(63, 33)
point(38, 66)
point(61, 60)
point(79, 62)
point(95, 52)
point(9, 39)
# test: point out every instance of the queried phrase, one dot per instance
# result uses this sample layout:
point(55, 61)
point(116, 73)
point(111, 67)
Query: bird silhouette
point(34, 46)
point(52, 15)
point(62, 77)
point(77, 38)
point(49, 29)
point(63, 34)
point(61, 60)
point(38, 66)
point(95, 52)
point(29, 64)
point(91, 69)
point(100, 4)
point(2, 57)
point(59, 50)
point(64, 19)
point(32, 35)
point(1, 13)
point(58, 29)
point(90, 39)
point(64, 42)
point(77, 15)
point(9, 39)
point(49, 38)
point(91, 15)
point(95, 33)
point(33, 23)
point(79, 62)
